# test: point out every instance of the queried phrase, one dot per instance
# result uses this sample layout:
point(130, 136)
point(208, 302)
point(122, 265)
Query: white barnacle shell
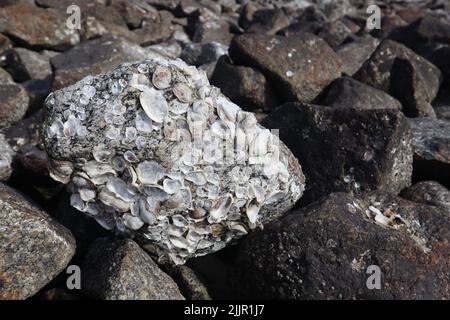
point(60, 170)
point(182, 92)
point(162, 77)
point(171, 186)
point(143, 122)
point(95, 169)
point(111, 200)
point(196, 177)
point(154, 104)
point(149, 172)
point(102, 154)
point(87, 194)
point(139, 82)
point(132, 222)
point(119, 188)
point(220, 209)
point(252, 212)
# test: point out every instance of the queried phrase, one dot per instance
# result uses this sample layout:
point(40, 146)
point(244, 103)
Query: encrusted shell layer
point(151, 150)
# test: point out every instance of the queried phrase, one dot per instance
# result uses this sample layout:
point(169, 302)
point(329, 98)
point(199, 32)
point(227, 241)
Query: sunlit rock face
point(152, 151)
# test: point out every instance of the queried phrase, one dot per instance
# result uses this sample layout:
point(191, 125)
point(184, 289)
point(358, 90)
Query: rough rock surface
point(190, 283)
point(13, 103)
point(36, 27)
point(397, 70)
point(116, 269)
point(323, 251)
point(346, 92)
point(431, 145)
point(244, 86)
point(169, 161)
point(355, 53)
point(428, 192)
point(299, 67)
point(93, 57)
point(6, 156)
point(24, 64)
point(33, 248)
point(343, 149)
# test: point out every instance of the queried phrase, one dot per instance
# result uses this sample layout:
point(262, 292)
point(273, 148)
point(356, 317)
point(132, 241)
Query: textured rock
point(93, 57)
point(33, 248)
point(268, 21)
point(334, 33)
point(36, 27)
point(190, 284)
point(429, 192)
point(431, 145)
point(197, 54)
point(244, 86)
point(344, 149)
point(25, 64)
point(155, 28)
point(120, 270)
point(408, 77)
point(323, 251)
point(5, 44)
point(208, 27)
point(6, 156)
point(346, 92)
point(355, 53)
point(441, 58)
point(299, 67)
point(170, 161)
point(13, 102)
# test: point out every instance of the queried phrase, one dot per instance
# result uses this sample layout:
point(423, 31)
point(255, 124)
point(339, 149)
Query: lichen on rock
point(152, 151)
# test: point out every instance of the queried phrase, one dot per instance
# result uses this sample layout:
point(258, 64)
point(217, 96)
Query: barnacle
point(152, 151)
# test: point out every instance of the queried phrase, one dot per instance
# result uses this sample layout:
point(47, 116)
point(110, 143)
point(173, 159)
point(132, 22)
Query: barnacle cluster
point(151, 150)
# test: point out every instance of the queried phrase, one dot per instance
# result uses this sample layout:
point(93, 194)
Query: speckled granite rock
point(13, 101)
point(429, 192)
point(151, 150)
point(6, 156)
point(33, 248)
point(120, 270)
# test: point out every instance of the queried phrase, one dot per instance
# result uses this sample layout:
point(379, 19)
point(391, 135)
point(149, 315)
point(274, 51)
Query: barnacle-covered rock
point(152, 151)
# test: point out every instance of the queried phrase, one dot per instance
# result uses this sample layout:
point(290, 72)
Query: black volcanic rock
point(343, 149)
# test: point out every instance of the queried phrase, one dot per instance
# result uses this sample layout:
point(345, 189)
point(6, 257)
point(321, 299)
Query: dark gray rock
point(268, 21)
point(429, 192)
point(93, 57)
point(397, 70)
point(427, 29)
point(323, 251)
point(197, 53)
point(33, 248)
point(24, 64)
point(346, 92)
point(245, 86)
point(355, 53)
point(334, 33)
point(37, 90)
point(343, 149)
point(32, 26)
point(117, 269)
point(156, 27)
point(209, 27)
point(187, 7)
point(190, 283)
point(132, 12)
point(5, 44)
point(440, 57)
point(431, 145)
point(299, 67)
point(13, 102)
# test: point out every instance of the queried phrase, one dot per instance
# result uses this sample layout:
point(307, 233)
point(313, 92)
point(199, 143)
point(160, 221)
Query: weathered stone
point(6, 155)
point(5, 44)
point(33, 248)
point(440, 57)
point(155, 28)
point(37, 90)
point(187, 7)
point(117, 269)
point(189, 282)
point(299, 68)
point(36, 27)
point(334, 33)
point(355, 53)
point(332, 249)
point(346, 92)
point(170, 49)
point(136, 159)
point(268, 21)
point(13, 103)
point(408, 77)
point(431, 145)
point(24, 64)
point(208, 27)
point(428, 29)
point(133, 12)
point(344, 149)
point(197, 53)
point(429, 192)
point(93, 57)
point(244, 86)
